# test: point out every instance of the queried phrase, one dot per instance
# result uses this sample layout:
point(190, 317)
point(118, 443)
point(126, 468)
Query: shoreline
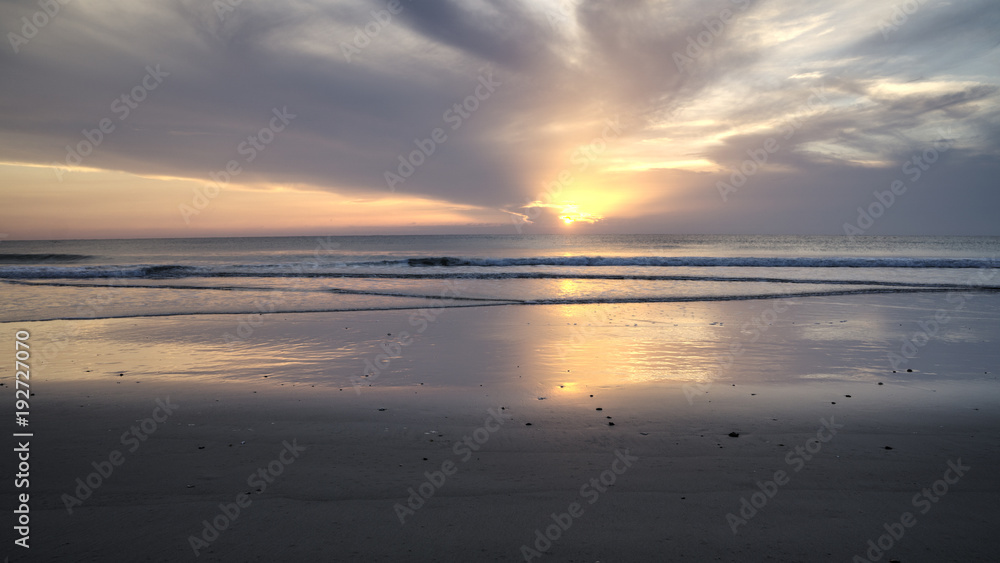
point(362, 453)
point(359, 462)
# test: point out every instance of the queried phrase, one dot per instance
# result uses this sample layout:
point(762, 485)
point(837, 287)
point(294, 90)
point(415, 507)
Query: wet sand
point(448, 416)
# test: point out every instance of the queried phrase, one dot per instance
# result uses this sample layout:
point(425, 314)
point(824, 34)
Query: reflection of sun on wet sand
point(804, 448)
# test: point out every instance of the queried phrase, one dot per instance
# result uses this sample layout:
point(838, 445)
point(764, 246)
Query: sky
point(189, 118)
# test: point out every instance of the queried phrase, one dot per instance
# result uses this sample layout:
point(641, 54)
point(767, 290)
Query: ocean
point(452, 379)
point(104, 279)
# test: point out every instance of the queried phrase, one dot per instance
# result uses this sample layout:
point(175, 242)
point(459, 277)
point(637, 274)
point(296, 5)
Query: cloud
point(564, 67)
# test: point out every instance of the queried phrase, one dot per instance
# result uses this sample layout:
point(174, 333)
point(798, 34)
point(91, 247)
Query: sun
point(567, 220)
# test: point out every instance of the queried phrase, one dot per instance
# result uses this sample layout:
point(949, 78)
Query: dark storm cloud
point(500, 31)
